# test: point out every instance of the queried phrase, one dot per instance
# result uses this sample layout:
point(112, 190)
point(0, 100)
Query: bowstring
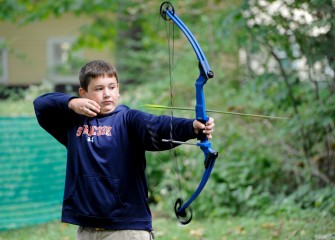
point(173, 154)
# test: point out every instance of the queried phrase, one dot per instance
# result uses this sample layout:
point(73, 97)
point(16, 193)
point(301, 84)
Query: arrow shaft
point(220, 112)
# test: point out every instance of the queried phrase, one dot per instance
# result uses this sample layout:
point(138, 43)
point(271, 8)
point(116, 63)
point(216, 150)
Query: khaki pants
point(86, 233)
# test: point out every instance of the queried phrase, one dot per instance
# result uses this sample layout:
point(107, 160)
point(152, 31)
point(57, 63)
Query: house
point(41, 51)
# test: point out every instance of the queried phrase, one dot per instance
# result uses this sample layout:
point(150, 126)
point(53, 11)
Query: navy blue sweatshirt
point(105, 184)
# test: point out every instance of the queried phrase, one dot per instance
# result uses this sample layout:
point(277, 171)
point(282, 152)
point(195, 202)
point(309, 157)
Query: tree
point(294, 40)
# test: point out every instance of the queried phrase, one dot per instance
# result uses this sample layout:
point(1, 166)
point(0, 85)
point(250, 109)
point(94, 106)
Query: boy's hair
point(94, 69)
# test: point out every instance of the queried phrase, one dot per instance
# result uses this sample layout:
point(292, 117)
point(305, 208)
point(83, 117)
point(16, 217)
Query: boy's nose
point(106, 94)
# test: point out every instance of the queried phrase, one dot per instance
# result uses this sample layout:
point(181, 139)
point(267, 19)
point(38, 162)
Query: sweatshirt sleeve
point(53, 114)
point(152, 129)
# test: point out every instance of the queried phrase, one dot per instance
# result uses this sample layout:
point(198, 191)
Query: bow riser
point(200, 107)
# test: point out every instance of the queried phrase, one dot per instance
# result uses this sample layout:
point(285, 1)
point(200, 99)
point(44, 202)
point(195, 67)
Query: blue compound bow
point(183, 209)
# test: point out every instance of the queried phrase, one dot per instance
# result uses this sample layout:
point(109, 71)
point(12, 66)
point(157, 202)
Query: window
point(3, 62)
point(63, 62)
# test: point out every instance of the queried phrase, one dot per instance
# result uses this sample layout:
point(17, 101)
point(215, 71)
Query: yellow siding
point(27, 57)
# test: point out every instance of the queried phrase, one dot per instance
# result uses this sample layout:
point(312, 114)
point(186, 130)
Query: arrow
point(215, 111)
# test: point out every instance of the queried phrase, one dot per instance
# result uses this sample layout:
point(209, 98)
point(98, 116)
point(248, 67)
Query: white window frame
point(52, 61)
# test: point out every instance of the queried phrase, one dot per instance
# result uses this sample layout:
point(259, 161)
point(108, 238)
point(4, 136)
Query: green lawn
point(307, 226)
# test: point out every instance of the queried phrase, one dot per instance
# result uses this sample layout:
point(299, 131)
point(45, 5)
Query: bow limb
point(183, 210)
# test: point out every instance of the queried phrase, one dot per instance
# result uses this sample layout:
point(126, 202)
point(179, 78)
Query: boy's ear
point(82, 92)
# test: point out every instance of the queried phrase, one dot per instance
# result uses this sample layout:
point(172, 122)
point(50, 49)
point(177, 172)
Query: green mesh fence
point(32, 172)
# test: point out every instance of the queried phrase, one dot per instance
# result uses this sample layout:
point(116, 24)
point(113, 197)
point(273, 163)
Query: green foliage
point(294, 53)
point(304, 65)
point(18, 101)
point(11, 93)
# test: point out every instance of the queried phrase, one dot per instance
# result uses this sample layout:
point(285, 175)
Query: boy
point(106, 191)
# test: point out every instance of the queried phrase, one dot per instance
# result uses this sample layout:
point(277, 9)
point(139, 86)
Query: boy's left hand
point(207, 128)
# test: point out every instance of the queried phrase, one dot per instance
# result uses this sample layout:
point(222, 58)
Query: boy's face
point(104, 91)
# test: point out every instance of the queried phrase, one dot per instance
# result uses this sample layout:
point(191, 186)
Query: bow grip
point(201, 136)
point(200, 107)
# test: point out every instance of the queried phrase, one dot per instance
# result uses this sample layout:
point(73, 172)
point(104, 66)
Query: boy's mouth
point(107, 102)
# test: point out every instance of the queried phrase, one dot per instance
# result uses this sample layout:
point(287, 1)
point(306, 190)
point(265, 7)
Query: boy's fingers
point(200, 125)
point(89, 112)
point(91, 107)
point(94, 104)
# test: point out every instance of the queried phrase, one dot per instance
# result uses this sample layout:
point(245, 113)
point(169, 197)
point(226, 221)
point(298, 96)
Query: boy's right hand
point(84, 106)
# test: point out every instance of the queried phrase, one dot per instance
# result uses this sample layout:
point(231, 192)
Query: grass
point(306, 226)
